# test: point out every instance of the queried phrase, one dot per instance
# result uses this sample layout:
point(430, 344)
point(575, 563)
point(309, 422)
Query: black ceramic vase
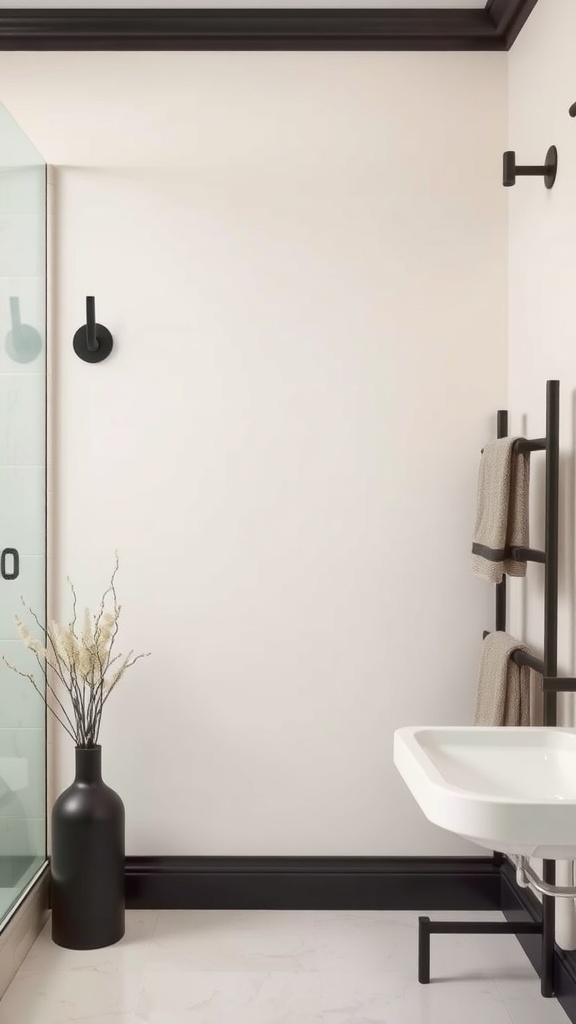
point(87, 862)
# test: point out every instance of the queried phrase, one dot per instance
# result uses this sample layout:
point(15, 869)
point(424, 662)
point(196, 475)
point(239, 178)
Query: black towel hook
point(92, 342)
point(548, 171)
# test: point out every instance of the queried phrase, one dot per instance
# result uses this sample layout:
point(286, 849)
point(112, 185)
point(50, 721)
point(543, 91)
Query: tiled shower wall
point(22, 505)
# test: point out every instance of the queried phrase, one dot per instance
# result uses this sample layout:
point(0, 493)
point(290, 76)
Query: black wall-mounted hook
point(548, 171)
point(572, 110)
point(93, 342)
point(23, 342)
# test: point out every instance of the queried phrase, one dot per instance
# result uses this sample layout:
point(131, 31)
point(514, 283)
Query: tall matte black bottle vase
point(87, 862)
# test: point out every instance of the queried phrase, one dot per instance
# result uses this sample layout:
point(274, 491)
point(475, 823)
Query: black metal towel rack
point(551, 685)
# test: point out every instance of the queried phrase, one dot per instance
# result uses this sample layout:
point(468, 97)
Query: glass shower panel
point(22, 505)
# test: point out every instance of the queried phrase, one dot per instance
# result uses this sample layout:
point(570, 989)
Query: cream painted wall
point(542, 314)
point(302, 258)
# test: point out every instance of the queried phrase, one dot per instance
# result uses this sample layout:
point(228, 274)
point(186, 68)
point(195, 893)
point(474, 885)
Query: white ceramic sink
point(511, 790)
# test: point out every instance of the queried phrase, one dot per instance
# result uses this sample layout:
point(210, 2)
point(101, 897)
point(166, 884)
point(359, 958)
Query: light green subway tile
point(20, 705)
point(22, 245)
point(22, 301)
point(31, 587)
point(22, 189)
point(22, 419)
point(22, 509)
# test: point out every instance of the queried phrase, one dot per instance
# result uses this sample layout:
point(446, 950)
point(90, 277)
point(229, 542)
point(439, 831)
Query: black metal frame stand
point(426, 928)
point(551, 686)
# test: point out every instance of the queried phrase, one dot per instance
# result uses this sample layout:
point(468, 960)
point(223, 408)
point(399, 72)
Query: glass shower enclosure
point(22, 508)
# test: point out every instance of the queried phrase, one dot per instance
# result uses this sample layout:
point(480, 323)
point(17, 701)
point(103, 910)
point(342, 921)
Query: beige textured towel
point(502, 510)
point(503, 696)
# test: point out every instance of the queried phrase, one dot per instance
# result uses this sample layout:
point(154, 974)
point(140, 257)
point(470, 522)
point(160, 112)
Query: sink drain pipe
point(526, 877)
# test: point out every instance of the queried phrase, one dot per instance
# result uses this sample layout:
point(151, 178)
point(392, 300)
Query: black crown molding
point(492, 28)
point(510, 16)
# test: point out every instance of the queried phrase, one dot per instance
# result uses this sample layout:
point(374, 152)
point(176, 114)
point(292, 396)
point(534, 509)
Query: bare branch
point(28, 675)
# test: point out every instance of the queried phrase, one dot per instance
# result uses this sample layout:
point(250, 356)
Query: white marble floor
point(278, 967)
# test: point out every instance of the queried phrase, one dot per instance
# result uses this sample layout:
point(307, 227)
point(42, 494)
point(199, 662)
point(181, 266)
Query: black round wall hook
point(92, 342)
point(572, 110)
point(548, 171)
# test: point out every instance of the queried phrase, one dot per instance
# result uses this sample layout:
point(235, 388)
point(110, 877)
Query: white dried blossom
point(65, 644)
point(88, 632)
point(81, 664)
point(104, 635)
point(85, 662)
point(31, 642)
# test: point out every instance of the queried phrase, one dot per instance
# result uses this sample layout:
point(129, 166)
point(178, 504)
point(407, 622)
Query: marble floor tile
point(235, 940)
point(525, 1003)
point(388, 942)
point(129, 954)
point(278, 967)
point(178, 997)
point(458, 957)
point(371, 998)
point(241, 997)
point(63, 996)
point(276, 997)
point(365, 941)
point(530, 1011)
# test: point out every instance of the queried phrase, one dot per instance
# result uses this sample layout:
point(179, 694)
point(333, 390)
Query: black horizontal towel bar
point(523, 444)
point(514, 554)
point(526, 555)
point(523, 658)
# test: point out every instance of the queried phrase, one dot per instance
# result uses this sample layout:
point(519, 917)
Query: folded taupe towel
point(502, 510)
point(503, 696)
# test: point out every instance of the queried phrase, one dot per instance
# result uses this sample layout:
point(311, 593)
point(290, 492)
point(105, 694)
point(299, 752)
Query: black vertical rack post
point(550, 648)
point(551, 685)
point(502, 431)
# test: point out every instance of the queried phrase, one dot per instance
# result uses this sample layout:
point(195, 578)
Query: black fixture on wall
point(548, 171)
point(92, 342)
point(572, 110)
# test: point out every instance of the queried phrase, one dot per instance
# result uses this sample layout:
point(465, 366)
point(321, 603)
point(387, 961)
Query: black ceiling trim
point(263, 29)
point(510, 16)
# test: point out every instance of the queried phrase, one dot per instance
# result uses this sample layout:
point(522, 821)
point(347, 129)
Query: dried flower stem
point(81, 660)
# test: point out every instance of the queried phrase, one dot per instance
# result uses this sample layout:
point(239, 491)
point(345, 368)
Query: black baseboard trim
point(521, 905)
point(346, 883)
point(312, 883)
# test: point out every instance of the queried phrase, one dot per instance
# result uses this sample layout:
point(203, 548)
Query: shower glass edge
point(23, 390)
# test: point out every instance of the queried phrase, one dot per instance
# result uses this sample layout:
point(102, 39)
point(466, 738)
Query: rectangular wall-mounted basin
point(507, 789)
